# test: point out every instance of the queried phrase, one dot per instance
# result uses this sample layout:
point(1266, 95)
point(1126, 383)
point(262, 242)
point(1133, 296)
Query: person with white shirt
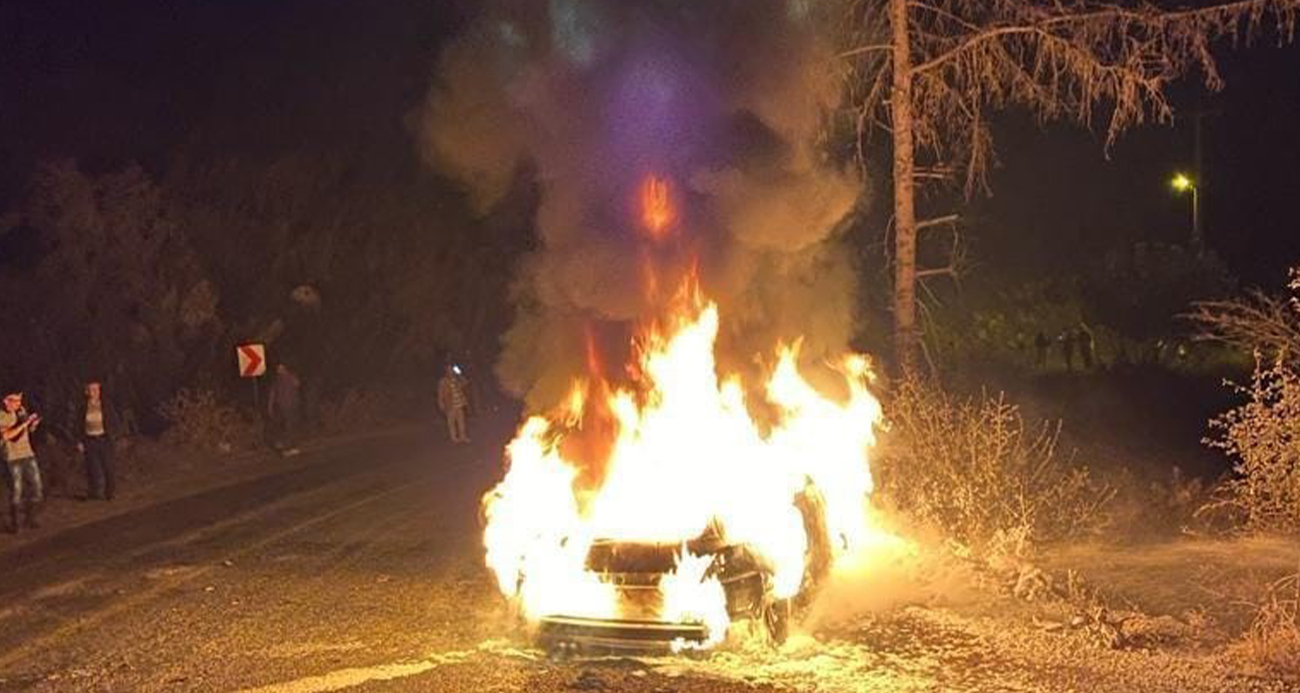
point(95, 421)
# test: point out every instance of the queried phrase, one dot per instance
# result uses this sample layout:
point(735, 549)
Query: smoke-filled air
point(710, 113)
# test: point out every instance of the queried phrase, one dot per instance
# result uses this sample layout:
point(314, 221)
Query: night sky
point(111, 82)
point(1057, 189)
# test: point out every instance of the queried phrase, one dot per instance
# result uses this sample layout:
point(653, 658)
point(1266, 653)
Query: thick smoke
point(723, 99)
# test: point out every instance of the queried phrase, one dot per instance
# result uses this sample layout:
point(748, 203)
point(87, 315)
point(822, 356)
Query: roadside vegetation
point(1272, 644)
point(1002, 488)
point(197, 419)
point(973, 468)
point(1262, 438)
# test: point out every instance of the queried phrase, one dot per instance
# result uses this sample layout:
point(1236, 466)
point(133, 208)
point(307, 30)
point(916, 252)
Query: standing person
point(1041, 343)
point(16, 426)
point(1086, 347)
point(284, 405)
point(1067, 349)
point(97, 421)
point(453, 401)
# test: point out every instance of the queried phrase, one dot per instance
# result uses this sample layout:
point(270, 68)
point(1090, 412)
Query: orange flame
point(650, 278)
point(671, 453)
point(594, 365)
point(658, 213)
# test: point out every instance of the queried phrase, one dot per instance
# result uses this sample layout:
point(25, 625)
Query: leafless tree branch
point(1260, 322)
point(938, 221)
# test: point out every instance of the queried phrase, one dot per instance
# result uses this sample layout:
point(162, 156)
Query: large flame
point(686, 454)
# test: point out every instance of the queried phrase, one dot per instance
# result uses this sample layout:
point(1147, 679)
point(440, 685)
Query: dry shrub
point(1272, 643)
point(1263, 436)
point(354, 408)
point(198, 420)
point(974, 469)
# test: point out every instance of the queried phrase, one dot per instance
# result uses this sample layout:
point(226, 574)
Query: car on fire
point(636, 569)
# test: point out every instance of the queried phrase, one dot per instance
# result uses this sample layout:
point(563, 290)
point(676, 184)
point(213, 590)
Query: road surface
point(361, 570)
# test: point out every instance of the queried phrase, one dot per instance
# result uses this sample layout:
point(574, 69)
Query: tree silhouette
point(115, 291)
point(930, 74)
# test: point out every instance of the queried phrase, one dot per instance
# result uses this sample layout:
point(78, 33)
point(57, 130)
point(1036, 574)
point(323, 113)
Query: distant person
point(284, 406)
point(1156, 355)
point(1041, 344)
point(97, 421)
point(24, 474)
point(1122, 360)
point(1084, 338)
point(1067, 349)
point(453, 400)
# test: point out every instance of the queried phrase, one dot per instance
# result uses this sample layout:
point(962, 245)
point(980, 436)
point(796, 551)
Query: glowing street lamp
point(1183, 183)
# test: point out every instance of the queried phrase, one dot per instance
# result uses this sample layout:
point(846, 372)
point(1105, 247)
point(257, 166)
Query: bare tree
point(1260, 323)
point(930, 73)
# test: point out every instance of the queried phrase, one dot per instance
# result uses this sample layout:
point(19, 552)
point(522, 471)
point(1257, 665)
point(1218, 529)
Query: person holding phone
point(24, 474)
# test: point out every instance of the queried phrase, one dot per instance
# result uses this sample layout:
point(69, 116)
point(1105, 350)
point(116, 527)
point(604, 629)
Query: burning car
point(637, 569)
point(651, 515)
point(696, 515)
point(652, 512)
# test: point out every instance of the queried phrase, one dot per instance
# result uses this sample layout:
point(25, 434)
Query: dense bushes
point(147, 279)
point(197, 419)
point(105, 283)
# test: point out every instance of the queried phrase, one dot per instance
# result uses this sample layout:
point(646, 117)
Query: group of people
point(93, 420)
point(1072, 342)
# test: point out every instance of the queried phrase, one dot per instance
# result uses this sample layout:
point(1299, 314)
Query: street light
point(1184, 183)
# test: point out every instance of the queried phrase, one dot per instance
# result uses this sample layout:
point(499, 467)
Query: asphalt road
point(359, 570)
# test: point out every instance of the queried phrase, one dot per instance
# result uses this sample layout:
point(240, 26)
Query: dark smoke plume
point(725, 100)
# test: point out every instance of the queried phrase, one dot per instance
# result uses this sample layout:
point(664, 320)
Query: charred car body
point(637, 569)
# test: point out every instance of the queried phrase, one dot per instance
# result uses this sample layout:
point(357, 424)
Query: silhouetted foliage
point(149, 286)
point(116, 291)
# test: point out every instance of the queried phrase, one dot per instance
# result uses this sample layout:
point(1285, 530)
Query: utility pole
point(1198, 178)
point(1186, 184)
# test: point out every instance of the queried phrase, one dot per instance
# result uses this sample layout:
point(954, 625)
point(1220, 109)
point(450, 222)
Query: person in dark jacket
point(1085, 341)
point(1041, 344)
point(1068, 345)
point(96, 422)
